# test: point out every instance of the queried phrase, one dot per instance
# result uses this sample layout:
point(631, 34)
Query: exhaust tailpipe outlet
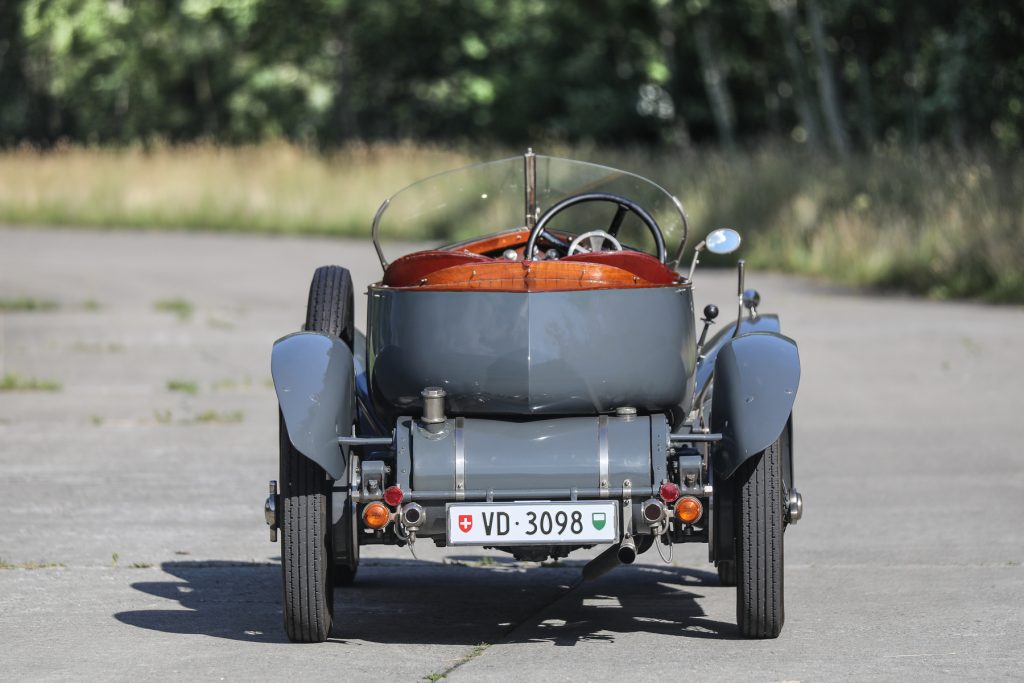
point(627, 551)
point(413, 515)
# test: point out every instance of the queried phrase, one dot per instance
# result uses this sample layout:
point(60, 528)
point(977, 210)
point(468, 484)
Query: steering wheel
point(596, 239)
point(625, 206)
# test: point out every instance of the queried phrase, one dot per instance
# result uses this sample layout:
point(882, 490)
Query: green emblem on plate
point(599, 519)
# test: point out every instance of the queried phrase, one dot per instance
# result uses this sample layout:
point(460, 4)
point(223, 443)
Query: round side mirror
point(722, 241)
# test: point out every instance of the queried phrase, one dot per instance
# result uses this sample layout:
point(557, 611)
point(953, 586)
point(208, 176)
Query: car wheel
point(330, 311)
point(727, 573)
point(307, 560)
point(759, 557)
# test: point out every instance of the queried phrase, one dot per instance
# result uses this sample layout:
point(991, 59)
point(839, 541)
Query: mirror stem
point(696, 259)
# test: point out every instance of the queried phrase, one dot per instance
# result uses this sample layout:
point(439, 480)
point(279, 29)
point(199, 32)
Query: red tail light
point(393, 496)
point(668, 492)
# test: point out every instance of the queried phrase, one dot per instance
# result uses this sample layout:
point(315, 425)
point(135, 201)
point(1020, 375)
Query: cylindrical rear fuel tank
point(581, 352)
point(571, 452)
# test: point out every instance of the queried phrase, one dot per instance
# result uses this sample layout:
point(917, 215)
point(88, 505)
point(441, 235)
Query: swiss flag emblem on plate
point(465, 523)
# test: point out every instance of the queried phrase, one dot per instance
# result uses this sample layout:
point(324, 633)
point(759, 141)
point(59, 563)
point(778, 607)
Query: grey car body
point(504, 392)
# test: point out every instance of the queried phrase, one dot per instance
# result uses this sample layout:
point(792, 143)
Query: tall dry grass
point(931, 222)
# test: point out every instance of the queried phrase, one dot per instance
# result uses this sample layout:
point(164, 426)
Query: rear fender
point(756, 380)
point(706, 363)
point(314, 380)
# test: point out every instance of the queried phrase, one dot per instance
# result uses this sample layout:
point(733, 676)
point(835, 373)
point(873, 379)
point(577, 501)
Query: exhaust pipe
point(627, 551)
point(623, 553)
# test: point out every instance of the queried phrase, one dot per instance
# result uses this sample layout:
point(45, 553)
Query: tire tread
point(759, 564)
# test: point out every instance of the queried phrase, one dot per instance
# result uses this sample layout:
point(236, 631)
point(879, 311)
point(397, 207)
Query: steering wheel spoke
point(620, 214)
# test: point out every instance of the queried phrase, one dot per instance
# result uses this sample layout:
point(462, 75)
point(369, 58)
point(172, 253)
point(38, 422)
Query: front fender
point(756, 379)
point(314, 380)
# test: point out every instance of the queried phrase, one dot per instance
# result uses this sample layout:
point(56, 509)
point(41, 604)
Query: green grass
point(12, 381)
point(26, 303)
point(183, 385)
point(180, 307)
point(219, 417)
point(4, 564)
point(929, 221)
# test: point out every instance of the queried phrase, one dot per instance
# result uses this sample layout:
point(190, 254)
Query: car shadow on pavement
point(466, 600)
point(235, 600)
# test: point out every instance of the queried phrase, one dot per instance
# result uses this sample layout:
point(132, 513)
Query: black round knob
point(711, 311)
point(751, 298)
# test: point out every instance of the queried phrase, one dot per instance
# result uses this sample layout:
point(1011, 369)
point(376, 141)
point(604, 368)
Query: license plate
point(532, 523)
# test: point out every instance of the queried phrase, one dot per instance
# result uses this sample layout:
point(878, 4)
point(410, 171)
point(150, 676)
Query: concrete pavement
point(134, 535)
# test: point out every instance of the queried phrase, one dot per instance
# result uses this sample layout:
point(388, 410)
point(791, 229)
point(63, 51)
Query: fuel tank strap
point(460, 458)
point(602, 454)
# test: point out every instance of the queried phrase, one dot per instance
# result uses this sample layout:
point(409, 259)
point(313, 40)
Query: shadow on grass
point(464, 602)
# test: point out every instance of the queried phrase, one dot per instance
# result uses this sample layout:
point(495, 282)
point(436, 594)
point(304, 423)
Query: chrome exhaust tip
point(627, 551)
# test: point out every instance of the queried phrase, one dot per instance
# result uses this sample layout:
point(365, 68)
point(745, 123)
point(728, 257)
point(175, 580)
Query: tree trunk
point(827, 92)
point(784, 12)
point(665, 12)
point(715, 85)
point(865, 101)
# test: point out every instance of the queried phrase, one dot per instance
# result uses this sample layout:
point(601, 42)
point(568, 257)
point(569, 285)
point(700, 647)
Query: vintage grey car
point(538, 387)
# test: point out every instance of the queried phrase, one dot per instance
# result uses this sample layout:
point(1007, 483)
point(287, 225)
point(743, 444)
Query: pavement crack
point(529, 618)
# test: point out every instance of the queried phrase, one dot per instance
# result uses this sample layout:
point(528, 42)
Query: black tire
point(330, 310)
point(727, 573)
point(759, 554)
point(307, 560)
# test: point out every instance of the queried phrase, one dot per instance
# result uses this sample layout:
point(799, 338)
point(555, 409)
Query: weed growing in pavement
point(4, 564)
point(180, 307)
point(183, 385)
point(164, 417)
point(28, 304)
point(114, 557)
point(142, 565)
point(12, 381)
point(218, 417)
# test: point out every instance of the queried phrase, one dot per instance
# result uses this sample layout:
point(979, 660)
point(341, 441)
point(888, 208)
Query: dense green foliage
point(835, 74)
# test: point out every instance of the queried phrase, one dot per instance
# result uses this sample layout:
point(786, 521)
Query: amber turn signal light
point(376, 515)
point(689, 509)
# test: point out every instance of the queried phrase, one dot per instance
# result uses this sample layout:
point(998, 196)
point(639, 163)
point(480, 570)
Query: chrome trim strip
point(602, 454)
point(460, 459)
